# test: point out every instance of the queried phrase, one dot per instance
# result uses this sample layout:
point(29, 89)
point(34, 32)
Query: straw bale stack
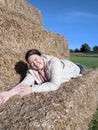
point(23, 10)
point(70, 107)
point(20, 30)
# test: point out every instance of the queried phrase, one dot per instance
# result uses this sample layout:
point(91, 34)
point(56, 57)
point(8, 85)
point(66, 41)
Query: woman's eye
point(31, 63)
point(35, 59)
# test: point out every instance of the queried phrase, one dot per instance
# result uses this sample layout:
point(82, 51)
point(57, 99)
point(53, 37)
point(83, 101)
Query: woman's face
point(36, 62)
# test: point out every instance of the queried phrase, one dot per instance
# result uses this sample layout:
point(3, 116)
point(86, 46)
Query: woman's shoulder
point(52, 61)
point(50, 57)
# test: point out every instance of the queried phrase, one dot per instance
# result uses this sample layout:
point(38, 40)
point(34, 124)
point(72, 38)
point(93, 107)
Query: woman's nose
point(35, 63)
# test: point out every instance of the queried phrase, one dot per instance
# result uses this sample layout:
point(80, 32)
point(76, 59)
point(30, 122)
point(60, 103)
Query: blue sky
point(76, 20)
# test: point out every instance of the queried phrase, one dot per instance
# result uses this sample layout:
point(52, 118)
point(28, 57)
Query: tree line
point(85, 48)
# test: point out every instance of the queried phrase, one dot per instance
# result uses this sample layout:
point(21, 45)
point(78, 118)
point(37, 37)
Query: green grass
point(94, 123)
point(91, 61)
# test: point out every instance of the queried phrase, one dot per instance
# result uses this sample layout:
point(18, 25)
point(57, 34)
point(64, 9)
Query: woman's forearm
point(15, 90)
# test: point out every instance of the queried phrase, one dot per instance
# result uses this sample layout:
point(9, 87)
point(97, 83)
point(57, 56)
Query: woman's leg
point(83, 69)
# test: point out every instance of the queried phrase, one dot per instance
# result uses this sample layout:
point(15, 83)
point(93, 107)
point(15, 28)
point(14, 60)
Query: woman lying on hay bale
point(45, 73)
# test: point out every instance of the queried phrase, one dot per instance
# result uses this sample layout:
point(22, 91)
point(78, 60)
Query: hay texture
point(71, 107)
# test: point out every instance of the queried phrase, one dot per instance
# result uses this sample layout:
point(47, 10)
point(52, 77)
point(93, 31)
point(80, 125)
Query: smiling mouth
point(37, 66)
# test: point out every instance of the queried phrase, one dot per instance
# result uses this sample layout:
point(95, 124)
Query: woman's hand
point(24, 90)
point(18, 90)
point(4, 96)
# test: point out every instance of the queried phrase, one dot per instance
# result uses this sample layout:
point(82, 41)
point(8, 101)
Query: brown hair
point(32, 52)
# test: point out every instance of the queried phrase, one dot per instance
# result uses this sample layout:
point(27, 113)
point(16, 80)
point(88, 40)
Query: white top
point(57, 71)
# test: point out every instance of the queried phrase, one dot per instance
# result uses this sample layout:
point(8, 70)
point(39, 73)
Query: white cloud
point(81, 14)
point(77, 16)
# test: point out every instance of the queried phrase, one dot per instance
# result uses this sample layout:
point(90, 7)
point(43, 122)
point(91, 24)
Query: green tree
point(95, 49)
point(71, 50)
point(76, 50)
point(85, 48)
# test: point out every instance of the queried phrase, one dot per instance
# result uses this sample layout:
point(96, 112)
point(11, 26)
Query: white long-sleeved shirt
point(57, 71)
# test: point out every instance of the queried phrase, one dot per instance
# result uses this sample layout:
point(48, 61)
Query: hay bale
point(22, 9)
point(71, 107)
